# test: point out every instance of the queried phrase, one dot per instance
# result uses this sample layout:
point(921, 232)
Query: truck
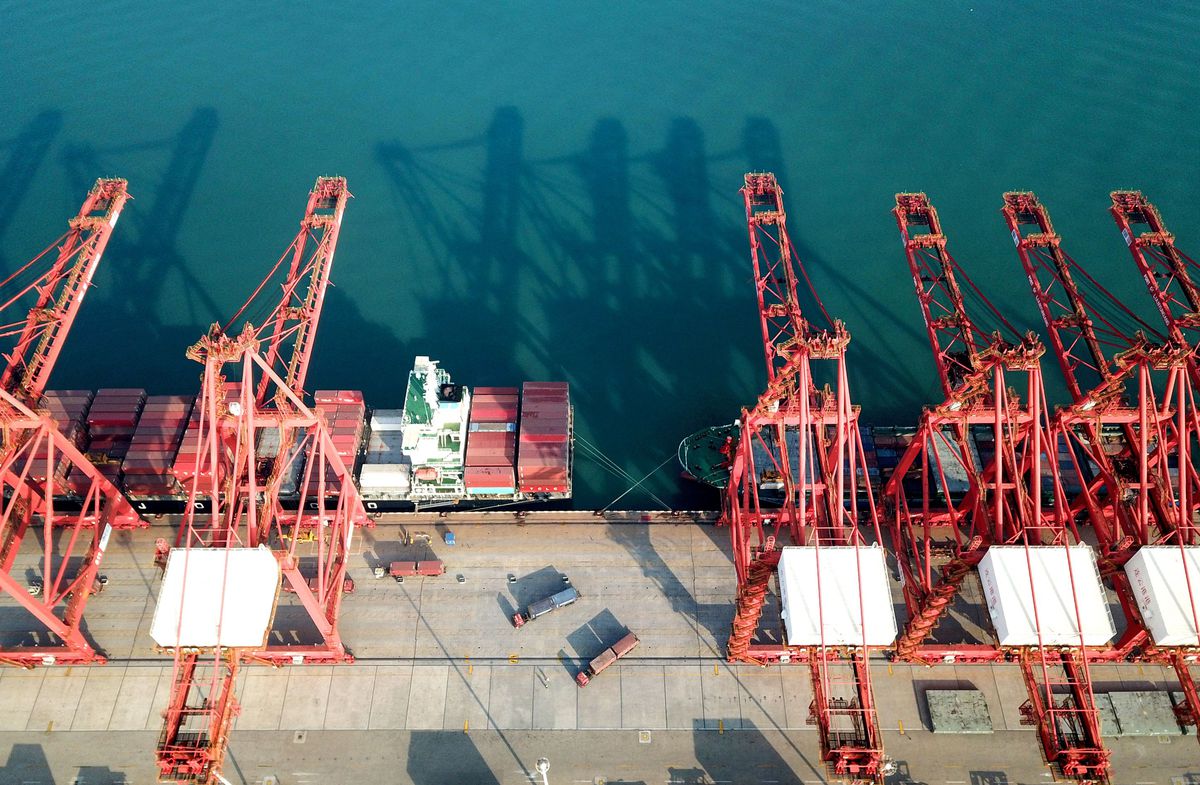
point(403, 569)
point(606, 658)
point(544, 606)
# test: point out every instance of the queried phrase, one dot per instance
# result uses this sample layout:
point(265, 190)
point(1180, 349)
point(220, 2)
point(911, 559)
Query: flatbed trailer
point(399, 570)
point(606, 658)
point(544, 606)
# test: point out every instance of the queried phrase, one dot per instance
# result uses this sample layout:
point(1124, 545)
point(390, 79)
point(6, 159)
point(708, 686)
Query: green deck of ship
point(702, 455)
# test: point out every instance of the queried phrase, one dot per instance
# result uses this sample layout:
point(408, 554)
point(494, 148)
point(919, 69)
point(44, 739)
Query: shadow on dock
point(446, 756)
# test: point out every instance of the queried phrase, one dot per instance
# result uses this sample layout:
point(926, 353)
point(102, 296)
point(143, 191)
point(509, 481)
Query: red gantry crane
point(47, 481)
point(254, 432)
point(1133, 500)
point(1167, 273)
point(998, 501)
point(793, 481)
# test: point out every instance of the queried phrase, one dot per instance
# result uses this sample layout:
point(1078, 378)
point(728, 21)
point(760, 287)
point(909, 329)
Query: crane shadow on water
point(144, 270)
point(603, 264)
point(25, 153)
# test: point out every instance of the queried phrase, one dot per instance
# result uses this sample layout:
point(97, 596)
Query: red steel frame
point(938, 541)
point(1141, 504)
point(33, 453)
point(242, 488)
point(1167, 273)
point(820, 503)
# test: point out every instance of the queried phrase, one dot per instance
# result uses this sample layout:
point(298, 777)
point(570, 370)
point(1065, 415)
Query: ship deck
point(440, 666)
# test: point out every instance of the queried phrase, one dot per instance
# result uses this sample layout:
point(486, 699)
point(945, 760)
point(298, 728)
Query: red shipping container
point(493, 400)
point(546, 488)
point(494, 412)
point(488, 477)
point(510, 391)
point(490, 459)
point(542, 474)
point(556, 424)
point(530, 402)
point(543, 438)
point(556, 393)
point(338, 396)
point(544, 454)
point(491, 438)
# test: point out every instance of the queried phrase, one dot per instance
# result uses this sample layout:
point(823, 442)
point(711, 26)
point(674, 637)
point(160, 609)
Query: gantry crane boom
point(956, 341)
point(1166, 270)
point(255, 430)
point(289, 331)
point(1139, 501)
point(1167, 273)
point(60, 292)
point(1003, 500)
point(47, 481)
point(805, 443)
point(971, 366)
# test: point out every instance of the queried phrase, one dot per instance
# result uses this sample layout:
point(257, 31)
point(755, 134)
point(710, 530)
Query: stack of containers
point(184, 467)
point(492, 442)
point(385, 470)
point(1068, 474)
point(868, 445)
point(543, 464)
point(68, 408)
point(345, 414)
point(112, 419)
point(148, 463)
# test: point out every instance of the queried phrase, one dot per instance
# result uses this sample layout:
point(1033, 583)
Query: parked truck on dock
point(544, 606)
point(606, 658)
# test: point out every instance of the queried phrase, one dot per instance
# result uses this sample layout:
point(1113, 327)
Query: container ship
point(450, 446)
point(704, 457)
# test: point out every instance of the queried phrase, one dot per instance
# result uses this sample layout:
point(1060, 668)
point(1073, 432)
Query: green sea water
point(549, 190)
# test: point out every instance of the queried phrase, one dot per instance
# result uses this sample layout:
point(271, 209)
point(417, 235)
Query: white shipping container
point(1005, 574)
point(383, 475)
point(385, 440)
point(216, 597)
point(844, 615)
point(387, 420)
point(1161, 576)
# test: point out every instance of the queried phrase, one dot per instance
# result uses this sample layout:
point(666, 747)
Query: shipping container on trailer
point(606, 658)
point(545, 605)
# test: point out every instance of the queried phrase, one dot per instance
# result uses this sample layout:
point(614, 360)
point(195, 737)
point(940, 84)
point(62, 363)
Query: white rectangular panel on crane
point(1061, 578)
point(1166, 582)
point(216, 597)
point(853, 593)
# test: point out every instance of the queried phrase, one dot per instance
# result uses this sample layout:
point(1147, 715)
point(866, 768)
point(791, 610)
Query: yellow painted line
point(720, 726)
point(514, 658)
point(50, 726)
point(901, 724)
point(889, 669)
point(716, 672)
point(466, 725)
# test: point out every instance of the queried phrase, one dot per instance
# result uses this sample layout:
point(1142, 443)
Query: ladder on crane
point(47, 481)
